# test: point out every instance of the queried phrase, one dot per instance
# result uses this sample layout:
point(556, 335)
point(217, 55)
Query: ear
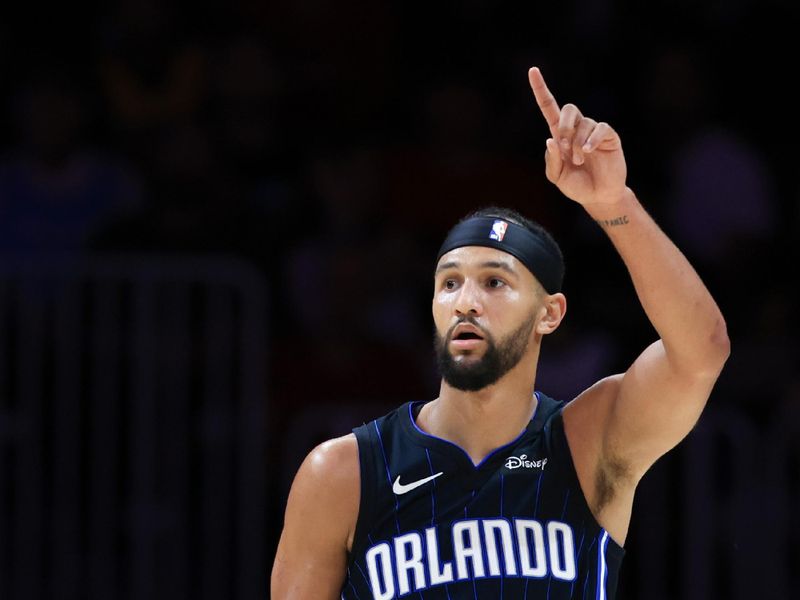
point(554, 308)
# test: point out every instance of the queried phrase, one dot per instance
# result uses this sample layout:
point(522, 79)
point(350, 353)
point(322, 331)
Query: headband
point(520, 242)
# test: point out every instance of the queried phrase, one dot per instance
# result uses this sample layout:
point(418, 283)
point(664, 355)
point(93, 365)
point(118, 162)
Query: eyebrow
point(491, 264)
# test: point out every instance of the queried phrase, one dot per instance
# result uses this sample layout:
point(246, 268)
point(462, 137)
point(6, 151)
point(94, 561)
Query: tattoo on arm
point(623, 220)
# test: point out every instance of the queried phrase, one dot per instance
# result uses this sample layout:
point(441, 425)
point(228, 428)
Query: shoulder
point(332, 464)
point(329, 478)
point(590, 408)
point(586, 416)
point(320, 519)
point(328, 485)
point(336, 449)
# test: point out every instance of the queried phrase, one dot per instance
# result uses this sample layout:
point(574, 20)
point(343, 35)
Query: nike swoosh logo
point(398, 488)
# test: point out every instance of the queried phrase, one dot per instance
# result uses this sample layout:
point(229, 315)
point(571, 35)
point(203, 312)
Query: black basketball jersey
point(434, 525)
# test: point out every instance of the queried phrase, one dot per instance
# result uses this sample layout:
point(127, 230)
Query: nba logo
point(498, 230)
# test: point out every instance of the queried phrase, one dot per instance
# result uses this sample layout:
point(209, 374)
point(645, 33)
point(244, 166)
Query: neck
point(482, 421)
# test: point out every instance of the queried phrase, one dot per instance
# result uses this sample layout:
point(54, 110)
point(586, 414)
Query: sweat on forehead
point(530, 249)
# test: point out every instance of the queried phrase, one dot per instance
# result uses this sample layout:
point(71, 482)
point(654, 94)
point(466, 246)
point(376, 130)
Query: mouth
point(466, 337)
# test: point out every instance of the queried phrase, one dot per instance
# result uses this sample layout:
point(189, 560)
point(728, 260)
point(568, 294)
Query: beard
point(499, 358)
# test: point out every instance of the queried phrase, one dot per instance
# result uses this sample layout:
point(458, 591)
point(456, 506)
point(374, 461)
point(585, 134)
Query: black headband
point(509, 237)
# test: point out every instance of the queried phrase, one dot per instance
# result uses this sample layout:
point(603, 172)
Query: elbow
point(720, 339)
point(701, 357)
point(717, 350)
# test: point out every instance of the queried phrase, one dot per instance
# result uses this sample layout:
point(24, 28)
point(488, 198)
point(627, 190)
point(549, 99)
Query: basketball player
point(493, 490)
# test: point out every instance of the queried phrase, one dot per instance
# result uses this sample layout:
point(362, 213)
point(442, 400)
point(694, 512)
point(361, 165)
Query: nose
point(468, 301)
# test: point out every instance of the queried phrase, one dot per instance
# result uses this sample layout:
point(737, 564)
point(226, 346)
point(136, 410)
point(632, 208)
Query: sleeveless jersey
point(433, 525)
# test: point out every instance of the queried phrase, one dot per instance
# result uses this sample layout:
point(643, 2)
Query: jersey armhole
point(366, 468)
point(556, 439)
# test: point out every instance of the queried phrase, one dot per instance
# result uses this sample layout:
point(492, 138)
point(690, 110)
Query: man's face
point(484, 309)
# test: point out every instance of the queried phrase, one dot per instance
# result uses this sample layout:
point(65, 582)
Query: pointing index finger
point(545, 99)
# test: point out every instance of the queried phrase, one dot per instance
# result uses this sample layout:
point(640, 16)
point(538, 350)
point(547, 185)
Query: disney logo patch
point(515, 462)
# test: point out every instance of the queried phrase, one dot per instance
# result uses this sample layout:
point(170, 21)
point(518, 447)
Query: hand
point(584, 158)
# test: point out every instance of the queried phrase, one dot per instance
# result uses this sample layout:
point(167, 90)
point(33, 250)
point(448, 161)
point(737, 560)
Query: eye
point(449, 284)
point(494, 282)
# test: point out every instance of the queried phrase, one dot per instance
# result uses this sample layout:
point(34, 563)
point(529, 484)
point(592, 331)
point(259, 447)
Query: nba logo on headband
point(498, 230)
point(531, 247)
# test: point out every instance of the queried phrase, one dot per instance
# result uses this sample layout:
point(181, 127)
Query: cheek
point(442, 301)
point(437, 310)
point(508, 311)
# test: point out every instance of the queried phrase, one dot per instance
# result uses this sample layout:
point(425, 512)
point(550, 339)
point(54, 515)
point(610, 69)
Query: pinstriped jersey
point(433, 525)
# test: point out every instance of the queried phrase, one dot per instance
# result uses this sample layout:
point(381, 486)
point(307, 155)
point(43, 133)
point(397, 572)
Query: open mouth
point(467, 335)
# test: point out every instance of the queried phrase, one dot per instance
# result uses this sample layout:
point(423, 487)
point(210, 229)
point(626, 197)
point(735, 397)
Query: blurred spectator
point(152, 73)
point(246, 89)
point(56, 190)
point(722, 197)
point(193, 206)
point(765, 357)
point(352, 292)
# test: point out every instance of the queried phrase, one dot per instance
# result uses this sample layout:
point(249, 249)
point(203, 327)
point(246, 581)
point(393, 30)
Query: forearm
point(672, 294)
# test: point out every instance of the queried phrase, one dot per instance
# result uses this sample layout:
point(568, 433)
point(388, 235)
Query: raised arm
point(321, 514)
point(654, 404)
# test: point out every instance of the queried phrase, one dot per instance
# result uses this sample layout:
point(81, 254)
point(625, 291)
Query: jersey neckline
point(429, 440)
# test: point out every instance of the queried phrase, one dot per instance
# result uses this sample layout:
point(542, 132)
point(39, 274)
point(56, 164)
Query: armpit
point(611, 475)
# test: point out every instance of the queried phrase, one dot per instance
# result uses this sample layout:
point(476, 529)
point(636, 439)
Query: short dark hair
point(509, 214)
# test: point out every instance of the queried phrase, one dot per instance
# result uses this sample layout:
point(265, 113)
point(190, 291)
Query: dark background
point(310, 155)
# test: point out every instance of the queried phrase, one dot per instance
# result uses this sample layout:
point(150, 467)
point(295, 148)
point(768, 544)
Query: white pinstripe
point(602, 568)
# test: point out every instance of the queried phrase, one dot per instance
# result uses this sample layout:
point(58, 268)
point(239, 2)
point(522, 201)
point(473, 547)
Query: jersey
point(434, 525)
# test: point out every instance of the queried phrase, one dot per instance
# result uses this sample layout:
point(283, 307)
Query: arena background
point(218, 228)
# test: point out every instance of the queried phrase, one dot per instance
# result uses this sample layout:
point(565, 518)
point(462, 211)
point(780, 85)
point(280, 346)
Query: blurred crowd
point(333, 144)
